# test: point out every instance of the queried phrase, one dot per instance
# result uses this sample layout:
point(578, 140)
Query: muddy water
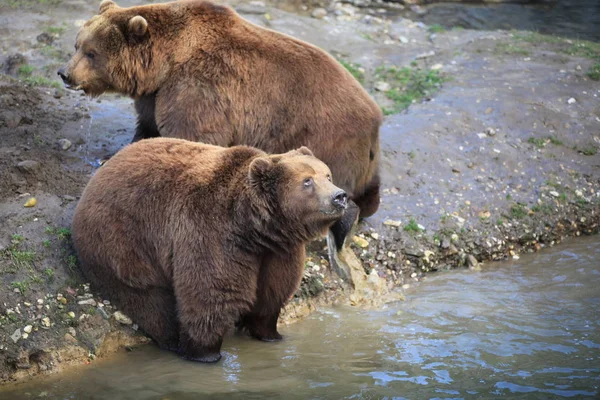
point(522, 329)
point(578, 19)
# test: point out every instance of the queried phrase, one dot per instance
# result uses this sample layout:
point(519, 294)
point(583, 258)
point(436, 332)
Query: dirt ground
point(502, 159)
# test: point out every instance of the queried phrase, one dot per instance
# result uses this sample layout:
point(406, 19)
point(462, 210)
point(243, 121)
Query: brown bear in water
point(199, 71)
point(190, 238)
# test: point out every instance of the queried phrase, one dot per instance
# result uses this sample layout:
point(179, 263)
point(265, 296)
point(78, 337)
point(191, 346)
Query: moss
point(354, 69)
point(409, 85)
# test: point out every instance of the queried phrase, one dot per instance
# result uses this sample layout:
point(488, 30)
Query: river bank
point(490, 149)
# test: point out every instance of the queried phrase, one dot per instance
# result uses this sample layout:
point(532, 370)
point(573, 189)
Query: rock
point(454, 238)
point(436, 67)
point(25, 335)
point(87, 302)
point(360, 242)
point(319, 13)
point(122, 318)
point(28, 329)
point(382, 86)
point(571, 101)
point(69, 338)
point(391, 222)
point(554, 193)
point(375, 235)
point(64, 144)
point(16, 335)
point(13, 62)
point(472, 261)
point(11, 119)
point(28, 166)
point(425, 55)
point(46, 322)
point(403, 39)
point(71, 314)
point(445, 243)
point(45, 38)
point(490, 131)
point(31, 202)
point(72, 331)
point(58, 93)
point(103, 313)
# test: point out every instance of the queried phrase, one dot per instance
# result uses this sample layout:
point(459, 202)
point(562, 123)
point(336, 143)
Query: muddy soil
point(502, 159)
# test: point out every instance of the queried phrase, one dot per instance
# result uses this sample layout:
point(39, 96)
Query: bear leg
point(263, 327)
point(190, 349)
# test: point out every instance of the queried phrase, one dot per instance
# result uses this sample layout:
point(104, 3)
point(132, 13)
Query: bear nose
point(63, 75)
point(340, 199)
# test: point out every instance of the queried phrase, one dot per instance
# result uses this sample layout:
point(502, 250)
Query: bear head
point(297, 188)
point(113, 53)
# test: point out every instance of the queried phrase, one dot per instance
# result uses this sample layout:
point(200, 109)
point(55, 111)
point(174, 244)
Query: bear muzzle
point(340, 200)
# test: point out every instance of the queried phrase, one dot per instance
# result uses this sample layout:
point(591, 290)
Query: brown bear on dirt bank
point(190, 238)
point(199, 71)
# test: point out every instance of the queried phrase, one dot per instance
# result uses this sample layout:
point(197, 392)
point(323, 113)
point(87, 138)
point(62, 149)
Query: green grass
point(509, 48)
point(55, 30)
point(537, 142)
point(412, 226)
point(63, 233)
point(411, 155)
point(518, 211)
point(589, 151)
point(46, 244)
point(37, 80)
point(500, 221)
point(542, 208)
point(49, 272)
point(555, 141)
point(71, 262)
point(436, 28)
point(25, 70)
point(22, 286)
point(583, 48)
point(51, 51)
point(354, 69)
point(409, 85)
point(594, 72)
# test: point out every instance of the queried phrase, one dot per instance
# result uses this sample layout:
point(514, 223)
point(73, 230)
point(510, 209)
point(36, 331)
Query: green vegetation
point(591, 150)
point(409, 85)
point(436, 28)
point(25, 70)
point(542, 208)
point(51, 51)
point(518, 211)
point(411, 155)
point(354, 69)
point(49, 272)
point(500, 221)
point(56, 30)
point(71, 262)
point(46, 244)
point(22, 286)
point(594, 72)
point(412, 226)
point(510, 49)
point(555, 141)
point(537, 142)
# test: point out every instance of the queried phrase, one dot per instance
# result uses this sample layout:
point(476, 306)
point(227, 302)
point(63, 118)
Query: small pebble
point(28, 329)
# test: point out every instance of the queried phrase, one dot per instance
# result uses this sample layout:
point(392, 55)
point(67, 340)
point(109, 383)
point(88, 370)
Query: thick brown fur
point(189, 238)
point(199, 71)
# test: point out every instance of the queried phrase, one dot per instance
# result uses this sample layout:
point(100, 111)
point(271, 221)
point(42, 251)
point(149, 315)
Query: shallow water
point(522, 329)
point(578, 19)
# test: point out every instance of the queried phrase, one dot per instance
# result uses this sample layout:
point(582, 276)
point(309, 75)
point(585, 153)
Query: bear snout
point(340, 199)
point(64, 75)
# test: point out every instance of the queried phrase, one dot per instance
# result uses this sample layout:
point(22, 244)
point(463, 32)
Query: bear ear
point(259, 167)
point(105, 5)
point(138, 26)
point(305, 151)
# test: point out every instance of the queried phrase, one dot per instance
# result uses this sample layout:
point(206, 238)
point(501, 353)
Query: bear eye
point(329, 177)
point(308, 182)
point(90, 55)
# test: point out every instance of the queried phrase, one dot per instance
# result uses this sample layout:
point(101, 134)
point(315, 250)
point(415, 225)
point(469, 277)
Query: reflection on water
point(578, 19)
point(523, 329)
